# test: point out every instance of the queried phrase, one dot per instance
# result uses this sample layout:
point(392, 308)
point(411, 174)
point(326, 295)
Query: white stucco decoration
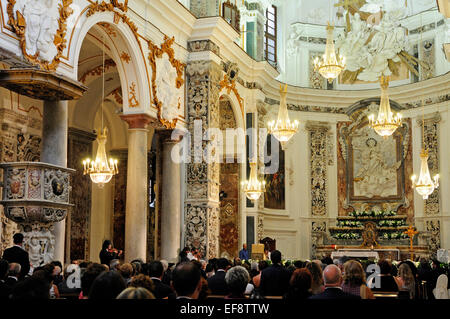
point(388, 39)
point(41, 18)
point(170, 96)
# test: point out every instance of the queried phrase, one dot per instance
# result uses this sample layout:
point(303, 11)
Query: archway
point(100, 213)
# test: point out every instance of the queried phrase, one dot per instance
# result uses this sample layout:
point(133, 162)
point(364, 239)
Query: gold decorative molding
point(19, 26)
point(96, 7)
point(97, 70)
point(230, 86)
point(156, 53)
point(117, 94)
point(108, 29)
point(125, 57)
point(132, 100)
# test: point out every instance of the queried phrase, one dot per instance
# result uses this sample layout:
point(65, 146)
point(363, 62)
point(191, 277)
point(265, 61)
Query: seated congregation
point(219, 278)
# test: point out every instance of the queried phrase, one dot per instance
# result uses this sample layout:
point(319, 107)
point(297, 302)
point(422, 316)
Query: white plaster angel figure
point(352, 46)
point(167, 91)
point(41, 24)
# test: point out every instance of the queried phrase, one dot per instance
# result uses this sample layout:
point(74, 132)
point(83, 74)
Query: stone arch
point(131, 66)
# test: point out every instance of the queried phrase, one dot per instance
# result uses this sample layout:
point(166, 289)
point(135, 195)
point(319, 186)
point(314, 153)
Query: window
point(270, 36)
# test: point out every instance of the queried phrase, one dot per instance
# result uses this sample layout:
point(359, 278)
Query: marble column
point(137, 184)
point(54, 151)
point(170, 203)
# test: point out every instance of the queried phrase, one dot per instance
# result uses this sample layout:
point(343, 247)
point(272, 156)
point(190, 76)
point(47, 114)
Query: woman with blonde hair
point(355, 280)
point(135, 293)
point(406, 281)
point(317, 285)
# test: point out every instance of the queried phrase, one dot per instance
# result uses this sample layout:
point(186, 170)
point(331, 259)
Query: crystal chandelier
point(424, 185)
point(101, 170)
point(253, 187)
point(330, 66)
point(386, 122)
point(283, 129)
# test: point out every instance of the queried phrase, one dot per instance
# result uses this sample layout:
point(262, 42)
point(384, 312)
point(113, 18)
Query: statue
point(34, 252)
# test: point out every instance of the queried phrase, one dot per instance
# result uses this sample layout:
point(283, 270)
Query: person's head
point(89, 275)
point(301, 280)
point(385, 267)
point(405, 272)
point(316, 273)
point(155, 269)
point(186, 280)
point(262, 265)
point(126, 270)
point(165, 264)
point(108, 285)
point(135, 293)
point(222, 263)
point(237, 279)
point(237, 261)
point(143, 281)
point(4, 268)
point(114, 264)
point(107, 244)
point(209, 268)
point(354, 274)
point(137, 267)
point(31, 288)
point(244, 246)
point(57, 263)
point(275, 256)
point(14, 270)
point(332, 276)
point(18, 239)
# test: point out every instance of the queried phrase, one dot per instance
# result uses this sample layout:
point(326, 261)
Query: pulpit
point(257, 251)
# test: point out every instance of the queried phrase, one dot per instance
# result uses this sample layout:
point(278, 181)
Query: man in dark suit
point(156, 272)
point(275, 279)
point(217, 282)
point(16, 254)
point(5, 290)
point(186, 280)
point(332, 278)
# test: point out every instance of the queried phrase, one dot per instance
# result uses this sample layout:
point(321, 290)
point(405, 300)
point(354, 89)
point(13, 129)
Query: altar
point(393, 254)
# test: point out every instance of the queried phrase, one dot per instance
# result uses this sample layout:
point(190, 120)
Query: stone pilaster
point(137, 192)
point(202, 177)
point(432, 216)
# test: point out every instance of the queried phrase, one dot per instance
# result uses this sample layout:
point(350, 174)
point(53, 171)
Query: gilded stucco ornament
point(41, 27)
point(167, 81)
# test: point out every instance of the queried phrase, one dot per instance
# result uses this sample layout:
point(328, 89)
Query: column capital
point(137, 121)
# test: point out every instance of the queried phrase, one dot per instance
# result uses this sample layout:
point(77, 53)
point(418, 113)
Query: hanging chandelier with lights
point(386, 122)
point(330, 65)
point(283, 128)
point(425, 185)
point(253, 188)
point(101, 170)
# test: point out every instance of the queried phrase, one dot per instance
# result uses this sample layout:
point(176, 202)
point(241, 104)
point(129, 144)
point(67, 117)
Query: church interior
point(314, 128)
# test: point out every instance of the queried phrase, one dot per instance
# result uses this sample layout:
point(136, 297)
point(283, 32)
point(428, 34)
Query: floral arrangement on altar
point(346, 235)
point(393, 235)
point(391, 223)
point(380, 213)
point(374, 43)
point(349, 223)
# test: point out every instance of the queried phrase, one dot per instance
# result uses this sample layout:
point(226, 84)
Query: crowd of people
point(196, 278)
